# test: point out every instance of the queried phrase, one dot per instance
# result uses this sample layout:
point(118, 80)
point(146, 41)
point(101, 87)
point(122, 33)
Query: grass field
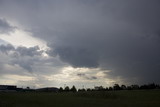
point(139, 98)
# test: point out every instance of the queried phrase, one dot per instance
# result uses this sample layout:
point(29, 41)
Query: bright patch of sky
point(22, 38)
point(82, 77)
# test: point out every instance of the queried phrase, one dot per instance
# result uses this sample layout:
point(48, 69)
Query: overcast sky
point(79, 42)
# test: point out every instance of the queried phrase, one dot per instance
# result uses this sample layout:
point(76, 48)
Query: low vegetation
point(120, 98)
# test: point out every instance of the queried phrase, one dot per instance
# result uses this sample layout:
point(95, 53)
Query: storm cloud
point(24, 57)
point(122, 36)
point(5, 27)
point(86, 77)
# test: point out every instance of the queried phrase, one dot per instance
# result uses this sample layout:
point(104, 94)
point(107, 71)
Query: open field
point(139, 98)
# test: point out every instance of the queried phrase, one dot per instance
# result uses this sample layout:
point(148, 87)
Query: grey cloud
point(24, 62)
point(5, 27)
point(22, 56)
point(122, 36)
point(30, 59)
point(23, 51)
point(77, 57)
point(82, 75)
point(32, 51)
point(6, 48)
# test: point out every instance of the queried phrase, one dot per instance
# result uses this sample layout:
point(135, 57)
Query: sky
point(86, 43)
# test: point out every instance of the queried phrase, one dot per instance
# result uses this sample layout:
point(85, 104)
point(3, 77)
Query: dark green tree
point(66, 88)
point(88, 89)
point(116, 87)
point(110, 88)
point(73, 89)
point(123, 87)
point(134, 87)
point(60, 89)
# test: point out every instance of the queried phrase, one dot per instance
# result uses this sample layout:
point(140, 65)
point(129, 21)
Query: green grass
point(139, 98)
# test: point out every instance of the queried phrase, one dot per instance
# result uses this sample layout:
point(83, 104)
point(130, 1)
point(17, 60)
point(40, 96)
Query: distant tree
point(60, 89)
point(28, 88)
point(129, 88)
point(151, 86)
point(107, 89)
point(67, 89)
point(110, 88)
point(134, 87)
point(157, 86)
point(123, 87)
point(73, 89)
point(88, 89)
point(99, 88)
point(144, 87)
point(81, 90)
point(116, 87)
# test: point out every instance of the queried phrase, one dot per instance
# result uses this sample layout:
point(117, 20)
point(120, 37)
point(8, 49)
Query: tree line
point(112, 88)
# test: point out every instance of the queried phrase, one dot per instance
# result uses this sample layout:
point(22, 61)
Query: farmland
point(123, 98)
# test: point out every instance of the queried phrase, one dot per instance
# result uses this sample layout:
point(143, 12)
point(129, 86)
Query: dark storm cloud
point(5, 27)
point(82, 75)
point(76, 56)
point(119, 35)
